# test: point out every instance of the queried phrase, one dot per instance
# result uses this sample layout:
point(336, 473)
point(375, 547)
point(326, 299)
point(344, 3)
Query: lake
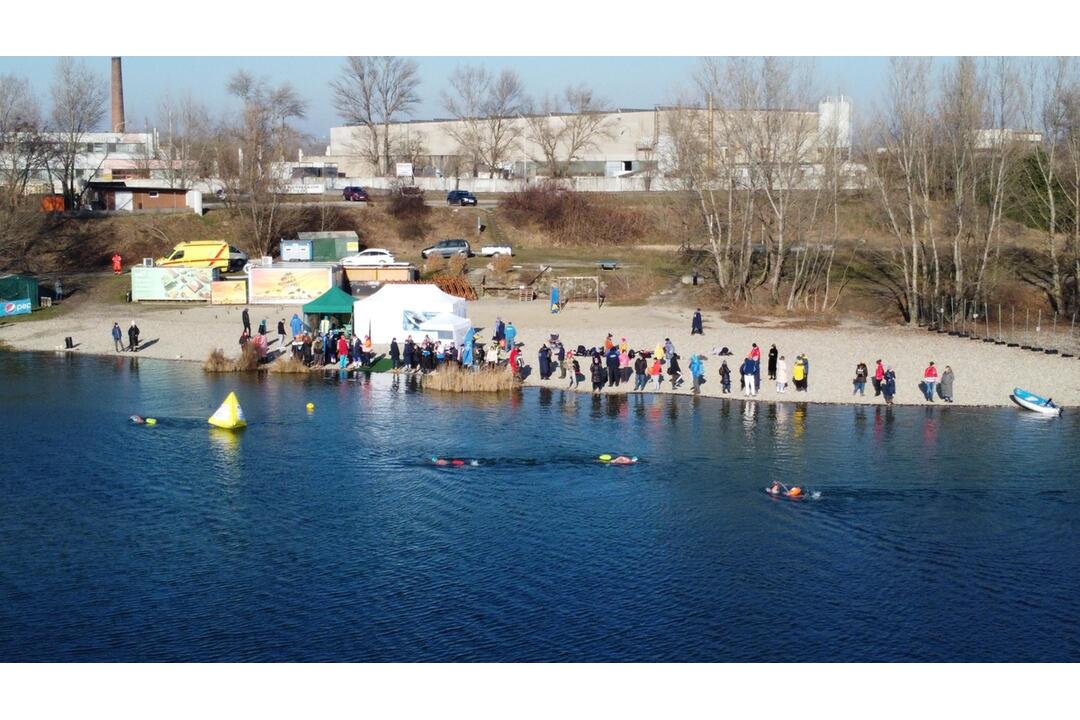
point(941, 534)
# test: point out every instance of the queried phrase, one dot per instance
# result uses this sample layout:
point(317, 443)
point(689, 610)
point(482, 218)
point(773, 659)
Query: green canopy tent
point(335, 302)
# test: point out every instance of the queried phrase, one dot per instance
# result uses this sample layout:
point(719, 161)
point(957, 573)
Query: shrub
point(457, 265)
point(435, 264)
point(502, 264)
point(572, 218)
point(217, 362)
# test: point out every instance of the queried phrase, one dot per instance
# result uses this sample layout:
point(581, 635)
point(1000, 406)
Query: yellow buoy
point(311, 407)
point(605, 458)
point(151, 421)
point(230, 416)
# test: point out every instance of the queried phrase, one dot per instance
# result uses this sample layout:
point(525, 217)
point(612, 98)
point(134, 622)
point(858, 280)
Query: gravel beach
point(985, 373)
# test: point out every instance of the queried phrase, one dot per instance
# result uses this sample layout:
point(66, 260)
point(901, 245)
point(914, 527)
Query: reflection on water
point(941, 533)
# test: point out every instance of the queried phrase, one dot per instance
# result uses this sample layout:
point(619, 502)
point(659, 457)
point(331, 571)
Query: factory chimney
point(117, 97)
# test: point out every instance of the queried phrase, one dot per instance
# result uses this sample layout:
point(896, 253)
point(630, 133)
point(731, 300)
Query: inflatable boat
point(1034, 403)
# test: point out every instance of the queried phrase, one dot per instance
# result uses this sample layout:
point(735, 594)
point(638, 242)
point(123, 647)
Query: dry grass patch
point(287, 364)
point(217, 362)
point(451, 378)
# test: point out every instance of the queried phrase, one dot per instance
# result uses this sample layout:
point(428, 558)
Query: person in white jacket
point(781, 375)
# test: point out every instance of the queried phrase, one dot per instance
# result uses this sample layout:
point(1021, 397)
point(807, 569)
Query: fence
point(1010, 326)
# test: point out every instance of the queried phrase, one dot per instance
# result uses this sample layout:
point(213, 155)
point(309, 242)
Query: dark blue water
point(944, 534)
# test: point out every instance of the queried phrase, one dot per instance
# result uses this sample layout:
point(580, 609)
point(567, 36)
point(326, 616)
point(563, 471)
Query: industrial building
point(632, 142)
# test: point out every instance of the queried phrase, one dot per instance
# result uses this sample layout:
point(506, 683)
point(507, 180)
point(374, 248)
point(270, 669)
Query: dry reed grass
point(451, 378)
point(217, 362)
point(287, 364)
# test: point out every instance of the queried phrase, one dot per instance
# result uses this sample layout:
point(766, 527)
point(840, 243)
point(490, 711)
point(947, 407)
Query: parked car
point(492, 250)
point(355, 193)
point(369, 257)
point(460, 197)
point(448, 248)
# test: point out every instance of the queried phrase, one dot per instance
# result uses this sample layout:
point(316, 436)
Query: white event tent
point(395, 311)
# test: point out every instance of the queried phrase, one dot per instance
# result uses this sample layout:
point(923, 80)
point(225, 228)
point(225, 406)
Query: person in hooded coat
point(773, 354)
point(296, 325)
point(695, 324)
point(409, 349)
point(697, 371)
point(598, 375)
point(888, 385)
point(544, 361)
point(613, 366)
point(945, 384)
point(675, 371)
point(395, 354)
point(725, 377)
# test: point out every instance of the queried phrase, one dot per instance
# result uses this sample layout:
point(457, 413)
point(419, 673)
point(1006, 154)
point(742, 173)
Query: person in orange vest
point(117, 263)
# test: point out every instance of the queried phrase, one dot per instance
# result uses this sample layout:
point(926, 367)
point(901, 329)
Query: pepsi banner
point(14, 307)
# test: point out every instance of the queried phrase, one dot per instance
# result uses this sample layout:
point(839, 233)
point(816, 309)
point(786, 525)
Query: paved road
point(483, 203)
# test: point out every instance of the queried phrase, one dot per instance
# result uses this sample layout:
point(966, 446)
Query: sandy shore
point(985, 373)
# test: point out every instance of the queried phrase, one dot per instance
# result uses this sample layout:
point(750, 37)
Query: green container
point(19, 287)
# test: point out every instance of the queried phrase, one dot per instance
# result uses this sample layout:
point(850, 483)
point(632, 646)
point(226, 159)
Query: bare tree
point(263, 139)
point(898, 163)
point(565, 129)
point(23, 146)
point(763, 117)
point(487, 108)
point(78, 106)
point(1046, 110)
point(372, 93)
point(185, 151)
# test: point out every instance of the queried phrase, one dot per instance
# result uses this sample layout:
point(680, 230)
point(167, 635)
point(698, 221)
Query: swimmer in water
point(623, 460)
point(137, 419)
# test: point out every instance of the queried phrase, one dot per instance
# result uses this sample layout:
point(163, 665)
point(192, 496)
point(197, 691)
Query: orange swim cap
point(795, 491)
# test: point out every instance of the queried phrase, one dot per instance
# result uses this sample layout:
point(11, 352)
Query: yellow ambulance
point(205, 254)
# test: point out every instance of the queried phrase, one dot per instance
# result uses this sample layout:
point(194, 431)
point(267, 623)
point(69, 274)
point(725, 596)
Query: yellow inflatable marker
point(151, 421)
point(230, 416)
point(311, 407)
point(605, 458)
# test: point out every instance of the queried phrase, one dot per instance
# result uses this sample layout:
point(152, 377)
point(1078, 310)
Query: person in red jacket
point(342, 347)
point(929, 381)
point(117, 263)
point(879, 376)
point(514, 359)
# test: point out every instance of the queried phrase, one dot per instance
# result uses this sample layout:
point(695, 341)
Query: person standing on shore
point(598, 376)
point(669, 349)
point(612, 357)
point(781, 375)
point(930, 377)
point(725, 377)
point(697, 370)
point(655, 372)
point(747, 371)
point(861, 371)
point(296, 325)
point(544, 361)
point(946, 384)
point(58, 290)
point(561, 356)
point(798, 374)
point(695, 325)
point(773, 353)
point(888, 385)
point(118, 337)
point(641, 368)
point(133, 337)
point(510, 334)
point(806, 372)
point(624, 365)
point(281, 332)
point(879, 377)
point(574, 369)
point(245, 317)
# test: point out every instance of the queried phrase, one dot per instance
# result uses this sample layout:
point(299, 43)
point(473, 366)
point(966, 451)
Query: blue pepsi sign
point(14, 307)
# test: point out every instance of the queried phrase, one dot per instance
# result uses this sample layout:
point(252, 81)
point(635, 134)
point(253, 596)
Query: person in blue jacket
point(697, 371)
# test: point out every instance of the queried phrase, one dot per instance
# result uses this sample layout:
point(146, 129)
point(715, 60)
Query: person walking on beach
point(781, 375)
point(879, 377)
point(133, 337)
point(888, 385)
point(118, 337)
point(697, 370)
point(281, 332)
point(245, 317)
point(946, 384)
point(675, 371)
point(773, 353)
point(725, 377)
point(861, 372)
point(930, 377)
point(695, 325)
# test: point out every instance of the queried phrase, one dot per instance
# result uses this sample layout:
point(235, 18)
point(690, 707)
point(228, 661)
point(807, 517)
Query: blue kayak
point(1035, 403)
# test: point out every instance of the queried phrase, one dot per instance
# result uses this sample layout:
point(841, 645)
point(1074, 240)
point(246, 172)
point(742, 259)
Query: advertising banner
point(163, 283)
point(228, 292)
point(288, 286)
point(15, 307)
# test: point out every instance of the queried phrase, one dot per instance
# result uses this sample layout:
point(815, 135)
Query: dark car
point(355, 193)
point(447, 249)
point(460, 197)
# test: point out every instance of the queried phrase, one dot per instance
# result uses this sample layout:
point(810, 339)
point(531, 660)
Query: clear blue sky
point(639, 82)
